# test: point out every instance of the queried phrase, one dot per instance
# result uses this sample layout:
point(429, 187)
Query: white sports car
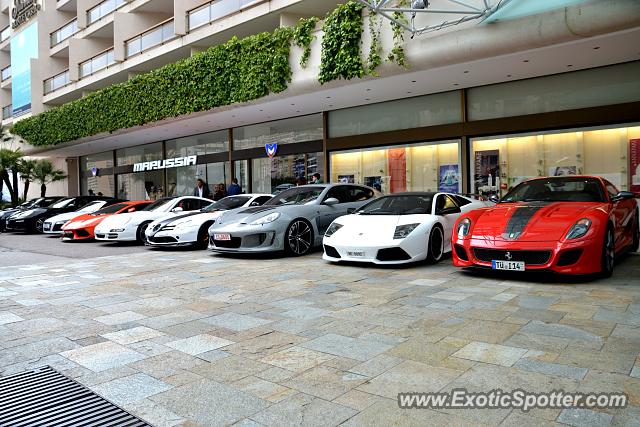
point(54, 224)
point(397, 229)
point(193, 228)
point(130, 227)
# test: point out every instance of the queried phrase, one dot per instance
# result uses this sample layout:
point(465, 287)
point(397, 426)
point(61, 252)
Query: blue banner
point(24, 46)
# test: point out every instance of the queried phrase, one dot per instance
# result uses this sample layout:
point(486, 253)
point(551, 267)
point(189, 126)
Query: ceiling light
point(408, 92)
point(508, 75)
point(368, 89)
point(526, 60)
point(367, 99)
point(596, 47)
point(466, 71)
point(413, 81)
point(293, 104)
point(328, 97)
point(569, 65)
point(456, 84)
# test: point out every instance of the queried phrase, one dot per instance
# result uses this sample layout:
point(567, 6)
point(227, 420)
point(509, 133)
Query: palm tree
point(9, 161)
point(26, 167)
point(45, 173)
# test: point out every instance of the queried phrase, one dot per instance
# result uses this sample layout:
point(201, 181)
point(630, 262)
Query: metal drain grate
point(45, 397)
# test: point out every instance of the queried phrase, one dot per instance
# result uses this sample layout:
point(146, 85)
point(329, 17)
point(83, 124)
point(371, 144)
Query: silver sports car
point(294, 220)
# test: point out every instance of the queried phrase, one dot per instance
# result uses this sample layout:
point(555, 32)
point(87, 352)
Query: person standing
point(202, 189)
point(219, 192)
point(234, 189)
point(316, 179)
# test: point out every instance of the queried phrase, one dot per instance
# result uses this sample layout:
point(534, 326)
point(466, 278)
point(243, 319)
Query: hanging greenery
point(374, 59)
point(302, 36)
point(340, 58)
point(397, 52)
point(237, 71)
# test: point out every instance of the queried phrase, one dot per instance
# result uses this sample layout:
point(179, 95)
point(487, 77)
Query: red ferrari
point(566, 224)
point(81, 227)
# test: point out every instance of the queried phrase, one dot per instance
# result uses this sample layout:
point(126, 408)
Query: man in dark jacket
point(234, 189)
point(202, 189)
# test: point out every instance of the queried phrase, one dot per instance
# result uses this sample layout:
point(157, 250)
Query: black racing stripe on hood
point(168, 220)
point(520, 218)
point(256, 210)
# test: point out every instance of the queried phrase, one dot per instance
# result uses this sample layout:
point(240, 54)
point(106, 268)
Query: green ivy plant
point(340, 57)
point(302, 36)
point(239, 70)
point(397, 52)
point(374, 59)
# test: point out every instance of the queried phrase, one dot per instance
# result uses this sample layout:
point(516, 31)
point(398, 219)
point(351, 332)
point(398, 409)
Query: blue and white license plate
point(507, 265)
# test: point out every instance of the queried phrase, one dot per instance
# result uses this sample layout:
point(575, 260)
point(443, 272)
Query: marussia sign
point(22, 11)
point(165, 164)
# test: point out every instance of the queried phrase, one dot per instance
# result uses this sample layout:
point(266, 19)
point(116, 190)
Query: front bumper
point(173, 238)
point(247, 238)
point(393, 253)
point(578, 257)
point(116, 234)
point(77, 234)
point(52, 228)
point(23, 224)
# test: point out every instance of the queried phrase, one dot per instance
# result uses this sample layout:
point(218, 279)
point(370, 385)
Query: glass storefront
point(198, 145)
point(147, 185)
point(499, 163)
point(287, 131)
point(417, 167)
point(97, 183)
point(140, 153)
point(273, 174)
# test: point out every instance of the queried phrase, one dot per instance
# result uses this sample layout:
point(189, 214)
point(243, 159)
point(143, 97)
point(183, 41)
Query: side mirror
point(177, 209)
point(623, 195)
point(331, 201)
point(351, 210)
point(494, 198)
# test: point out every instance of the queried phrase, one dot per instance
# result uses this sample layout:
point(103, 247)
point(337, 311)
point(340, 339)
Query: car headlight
point(266, 219)
point(403, 231)
point(579, 229)
point(463, 228)
point(332, 229)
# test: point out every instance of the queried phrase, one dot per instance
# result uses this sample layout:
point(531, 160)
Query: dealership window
point(141, 153)
point(147, 185)
point(206, 143)
point(419, 111)
point(287, 131)
point(219, 173)
point(98, 183)
point(242, 174)
point(274, 174)
point(417, 167)
point(499, 163)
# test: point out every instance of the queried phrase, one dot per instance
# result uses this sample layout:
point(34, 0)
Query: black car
point(31, 220)
point(39, 202)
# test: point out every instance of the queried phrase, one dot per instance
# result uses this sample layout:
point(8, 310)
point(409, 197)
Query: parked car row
point(567, 224)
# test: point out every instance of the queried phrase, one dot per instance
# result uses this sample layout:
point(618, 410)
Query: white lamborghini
point(397, 229)
point(192, 228)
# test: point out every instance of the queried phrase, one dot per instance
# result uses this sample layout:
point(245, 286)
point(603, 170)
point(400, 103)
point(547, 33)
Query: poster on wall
point(449, 178)
point(24, 47)
point(634, 165)
point(346, 179)
point(563, 170)
point(487, 172)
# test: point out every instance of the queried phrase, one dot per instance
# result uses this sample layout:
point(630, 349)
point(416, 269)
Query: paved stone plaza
point(190, 338)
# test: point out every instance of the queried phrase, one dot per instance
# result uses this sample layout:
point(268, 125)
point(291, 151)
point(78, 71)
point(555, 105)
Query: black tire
point(298, 239)
point(40, 224)
point(203, 236)
point(636, 234)
point(435, 248)
point(608, 257)
point(140, 236)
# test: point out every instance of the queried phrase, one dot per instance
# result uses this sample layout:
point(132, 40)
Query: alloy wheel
point(299, 237)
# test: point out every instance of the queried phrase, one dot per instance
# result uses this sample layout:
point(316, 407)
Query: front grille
point(392, 254)
point(45, 397)
point(234, 243)
point(569, 257)
point(100, 236)
point(528, 257)
point(168, 227)
point(331, 251)
point(82, 233)
point(163, 239)
point(461, 252)
point(57, 227)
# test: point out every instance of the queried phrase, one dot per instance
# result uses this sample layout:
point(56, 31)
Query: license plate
point(222, 236)
point(355, 253)
point(507, 265)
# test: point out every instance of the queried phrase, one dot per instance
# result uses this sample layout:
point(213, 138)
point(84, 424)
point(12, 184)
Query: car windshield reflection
point(398, 205)
point(296, 196)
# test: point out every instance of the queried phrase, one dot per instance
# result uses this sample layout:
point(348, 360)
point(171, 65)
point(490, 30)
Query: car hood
point(530, 221)
point(196, 216)
point(373, 229)
point(63, 217)
point(246, 215)
point(130, 218)
point(84, 220)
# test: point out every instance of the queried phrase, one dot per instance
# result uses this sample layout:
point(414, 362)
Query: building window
point(198, 145)
point(138, 154)
point(269, 175)
point(417, 167)
point(287, 131)
point(499, 163)
point(97, 182)
point(147, 185)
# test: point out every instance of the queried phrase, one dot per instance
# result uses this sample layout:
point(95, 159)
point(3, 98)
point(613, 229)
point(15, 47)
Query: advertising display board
point(24, 47)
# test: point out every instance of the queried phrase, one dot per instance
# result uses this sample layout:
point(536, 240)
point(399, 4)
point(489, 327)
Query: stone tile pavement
point(190, 338)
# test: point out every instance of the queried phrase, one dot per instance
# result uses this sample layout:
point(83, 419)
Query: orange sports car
point(81, 227)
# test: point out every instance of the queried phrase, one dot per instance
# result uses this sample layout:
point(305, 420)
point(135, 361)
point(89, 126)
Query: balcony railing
point(5, 33)
point(155, 36)
point(7, 112)
point(56, 82)
point(5, 74)
point(64, 32)
point(103, 9)
point(215, 10)
point(97, 63)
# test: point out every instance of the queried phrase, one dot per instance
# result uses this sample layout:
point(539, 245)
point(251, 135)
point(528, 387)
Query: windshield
point(91, 207)
point(295, 196)
point(62, 203)
point(227, 203)
point(111, 209)
point(561, 189)
point(32, 202)
point(398, 205)
point(157, 204)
